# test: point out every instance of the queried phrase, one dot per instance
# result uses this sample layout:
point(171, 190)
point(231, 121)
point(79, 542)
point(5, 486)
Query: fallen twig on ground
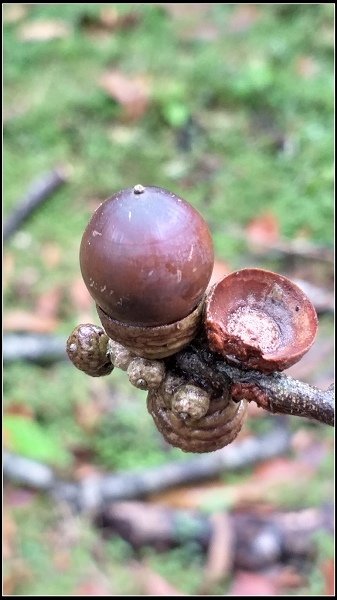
point(45, 349)
point(95, 491)
point(39, 191)
point(258, 541)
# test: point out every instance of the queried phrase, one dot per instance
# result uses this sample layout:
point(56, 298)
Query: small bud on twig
point(190, 401)
point(119, 355)
point(146, 374)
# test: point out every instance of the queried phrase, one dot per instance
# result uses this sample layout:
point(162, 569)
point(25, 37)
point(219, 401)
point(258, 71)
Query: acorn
point(146, 258)
point(259, 320)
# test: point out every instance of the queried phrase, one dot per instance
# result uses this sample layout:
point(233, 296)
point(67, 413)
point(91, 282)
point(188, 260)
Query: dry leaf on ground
point(220, 555)
point(88, 415)
point(43, 31)
point(154, 584)
point(8, 267)
point(25, 321)
point(79, 296)
point(252, 584)
point(328, 568)
point(306, 67)
point(243, 17)
point(9, 533)
point(48, 303)
point(185, 10)
point(263, 230)
point(132, 92)
point(93, 588)
point(51, 254)
point(14, 12)
point(108, 20)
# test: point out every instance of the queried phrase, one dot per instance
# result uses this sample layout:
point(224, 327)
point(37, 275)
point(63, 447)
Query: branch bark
point(277, 393)
point(94, 492)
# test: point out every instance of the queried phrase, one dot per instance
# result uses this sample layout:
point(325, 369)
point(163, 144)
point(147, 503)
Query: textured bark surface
point(277, 392)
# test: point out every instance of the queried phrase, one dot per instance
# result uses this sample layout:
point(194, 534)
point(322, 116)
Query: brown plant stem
point(277, 392)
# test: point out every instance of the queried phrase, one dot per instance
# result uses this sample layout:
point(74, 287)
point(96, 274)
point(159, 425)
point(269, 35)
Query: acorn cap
point(153, 342)
point(260, 319)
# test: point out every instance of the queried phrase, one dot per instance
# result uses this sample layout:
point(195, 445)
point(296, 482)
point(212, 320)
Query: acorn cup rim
point(154, 342)
point(283, 307)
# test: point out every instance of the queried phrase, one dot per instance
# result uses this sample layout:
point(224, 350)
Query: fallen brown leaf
point(154, 584)
point(14, 12)
point(191, 496)
point(62, 560)
point(88, 415)
point(80, 296)
point(9, 533)
point(281, 469)
point(84, 470)
point(20, 320)
point(185, 10)
point(17, 408)
point(8, 267)
point(267, 479)
point(109, 19)
point(306, 67)
point(48, 303)
point(220, 552)
point(131, 92)
point(205, 32)
point(93, 588)
point(263, 230)
point(17, 574)
point(18, 496)
point(243, 17)
point(43, 30)
point(288, 578)
point(328, 568)
point(252, 584)
point(51, 254)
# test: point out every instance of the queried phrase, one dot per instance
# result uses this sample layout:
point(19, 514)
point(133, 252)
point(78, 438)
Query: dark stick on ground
point(96, 491)
point(259, 541)
point(276, 392)
point(39, 191)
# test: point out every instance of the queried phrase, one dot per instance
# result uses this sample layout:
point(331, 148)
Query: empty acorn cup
point(260, 320)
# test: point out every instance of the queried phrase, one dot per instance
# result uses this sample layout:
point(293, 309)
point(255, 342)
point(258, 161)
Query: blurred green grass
point(240, 123)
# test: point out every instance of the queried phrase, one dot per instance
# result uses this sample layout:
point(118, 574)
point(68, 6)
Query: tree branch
point(94, 492)
point(277, 392)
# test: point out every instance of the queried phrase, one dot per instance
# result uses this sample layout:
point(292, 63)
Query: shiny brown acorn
point(146, 258)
